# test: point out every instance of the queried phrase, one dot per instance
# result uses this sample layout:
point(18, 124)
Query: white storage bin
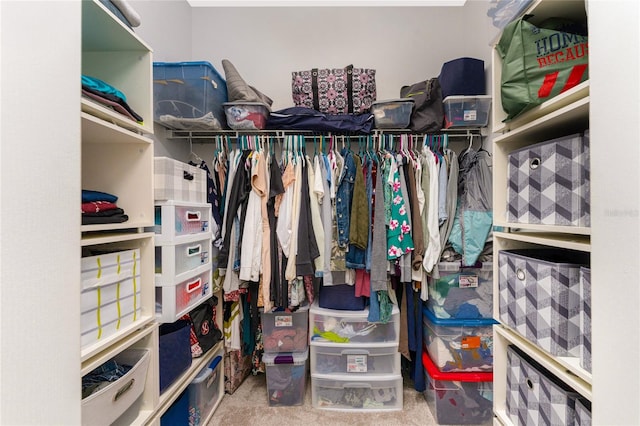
point(206, 390)
point(174, 219)
point(462, 292)
point(286, 377)
point(467, 111)
point(355, 360)
point(178, 181)
point(176, 299)
point(351, 327)
point(285, 331)
point(392, 113)
point(174, 260)
point(110, 298)
point(370, 394)
point(242, 115)
point(104, 406)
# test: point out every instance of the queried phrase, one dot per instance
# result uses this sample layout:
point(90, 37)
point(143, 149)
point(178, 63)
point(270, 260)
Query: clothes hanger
point(194, 156)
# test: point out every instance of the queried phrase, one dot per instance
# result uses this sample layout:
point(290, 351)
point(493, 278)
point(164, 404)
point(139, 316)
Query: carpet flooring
point(249, 406)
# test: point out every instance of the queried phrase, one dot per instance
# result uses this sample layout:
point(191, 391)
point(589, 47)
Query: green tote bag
point(539, 62)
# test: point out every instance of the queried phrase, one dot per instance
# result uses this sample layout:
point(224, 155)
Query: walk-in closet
point(319, 212)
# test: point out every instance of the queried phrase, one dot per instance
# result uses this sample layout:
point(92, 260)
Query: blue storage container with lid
point(458, 344)
point(189, 96)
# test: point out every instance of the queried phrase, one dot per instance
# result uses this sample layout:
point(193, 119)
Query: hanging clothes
point(474, 217)
point(307, 246)
point(399, 239)
point(276, 188)
point(432, 243)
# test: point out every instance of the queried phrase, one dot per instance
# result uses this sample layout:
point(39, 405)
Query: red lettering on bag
point(547, 84)
point(575, 77)
point(542, 62)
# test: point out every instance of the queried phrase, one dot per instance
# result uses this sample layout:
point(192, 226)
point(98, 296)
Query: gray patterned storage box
point(535, 396)
point(583, 412)
point(549, 183)
point(585, 318)
point(178, 181)
point(539, 296)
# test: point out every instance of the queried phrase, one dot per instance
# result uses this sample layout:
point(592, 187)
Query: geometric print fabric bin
point(539, 296)
point(534, 395)
point(585, 318)
point(548, 183)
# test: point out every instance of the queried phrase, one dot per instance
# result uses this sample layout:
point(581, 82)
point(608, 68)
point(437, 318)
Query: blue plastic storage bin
point(178, 413)
point(174, 352)
point(188, 90)
point(458, 345)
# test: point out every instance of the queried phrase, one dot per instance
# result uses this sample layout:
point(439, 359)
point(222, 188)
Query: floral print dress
point(399, 239)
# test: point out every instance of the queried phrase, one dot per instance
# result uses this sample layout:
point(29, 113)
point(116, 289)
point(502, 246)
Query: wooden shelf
point(107, 126)
point(560, 229)
point(567, 369)
point(571, 242)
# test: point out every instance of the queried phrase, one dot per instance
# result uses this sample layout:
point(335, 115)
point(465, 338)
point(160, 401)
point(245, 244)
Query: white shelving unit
point(562, 115)
point(117, 158)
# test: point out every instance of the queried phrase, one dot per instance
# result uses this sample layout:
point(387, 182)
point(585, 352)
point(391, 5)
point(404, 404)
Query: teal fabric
point(97, 84)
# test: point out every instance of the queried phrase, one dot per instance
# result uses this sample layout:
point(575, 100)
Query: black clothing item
point(238, 200)
point(307, 245)
point(104, 216)
point(276, 188)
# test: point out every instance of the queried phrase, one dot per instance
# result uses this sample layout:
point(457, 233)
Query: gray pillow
point(238, 89)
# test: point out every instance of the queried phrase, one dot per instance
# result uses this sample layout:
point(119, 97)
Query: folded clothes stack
point(100, 207)
point(109, 96)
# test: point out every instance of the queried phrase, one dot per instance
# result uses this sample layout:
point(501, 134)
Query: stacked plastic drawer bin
point(458, 344)
point(183, 242)
point(183, 238)
point(286, 355)
point(355, 364)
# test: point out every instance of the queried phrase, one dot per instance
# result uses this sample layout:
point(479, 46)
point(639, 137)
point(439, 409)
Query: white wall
point(40, 214)
point(403, 44)
point(614, 67)
point(166, 27)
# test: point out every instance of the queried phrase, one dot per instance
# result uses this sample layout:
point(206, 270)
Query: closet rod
point(206, 136)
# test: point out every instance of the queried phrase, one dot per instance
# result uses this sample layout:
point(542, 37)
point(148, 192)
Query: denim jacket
point(344, 195)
